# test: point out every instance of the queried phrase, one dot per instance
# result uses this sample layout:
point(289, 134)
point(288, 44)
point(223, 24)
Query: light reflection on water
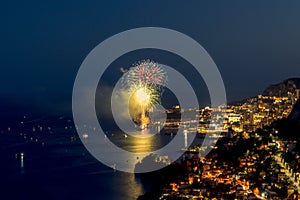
point(141, 143)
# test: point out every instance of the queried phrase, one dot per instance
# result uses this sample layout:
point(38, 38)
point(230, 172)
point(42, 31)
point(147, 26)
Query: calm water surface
point(61, 169)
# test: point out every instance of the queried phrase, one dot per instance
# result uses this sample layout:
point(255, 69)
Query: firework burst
point(145, 95)
point(146, 72)
point(144, 82)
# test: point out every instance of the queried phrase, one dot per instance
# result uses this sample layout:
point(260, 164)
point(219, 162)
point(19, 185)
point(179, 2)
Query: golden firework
point(144, 82)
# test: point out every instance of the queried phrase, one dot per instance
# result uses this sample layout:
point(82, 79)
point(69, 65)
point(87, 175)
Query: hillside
point(282, 88)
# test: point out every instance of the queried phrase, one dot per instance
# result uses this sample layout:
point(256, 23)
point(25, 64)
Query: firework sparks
point(144, 82)
point(146, 72)
point(142, 96)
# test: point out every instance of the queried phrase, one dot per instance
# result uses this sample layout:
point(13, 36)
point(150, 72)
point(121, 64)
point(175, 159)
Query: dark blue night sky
point(254, 43)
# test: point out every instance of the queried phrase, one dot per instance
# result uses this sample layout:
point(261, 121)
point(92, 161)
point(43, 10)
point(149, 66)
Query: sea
point(60, 167)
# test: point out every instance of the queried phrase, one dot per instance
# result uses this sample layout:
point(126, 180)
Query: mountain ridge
point(282, 88)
